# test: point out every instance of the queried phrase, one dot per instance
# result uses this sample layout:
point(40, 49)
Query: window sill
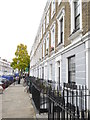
point(60, 43)
point(46, 54)
point(75, 34)
point(60, 46)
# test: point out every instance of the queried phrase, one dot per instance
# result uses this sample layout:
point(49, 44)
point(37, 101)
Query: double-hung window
point(53, 8)
point(71, 69)
point(44, 49)
point(47, 19)
point(44, 26)
point(41, 33)
point(77, 14)
point(47, 44)
point(53, 37)
point(60, 19)
point(59, 1)
point(61, 30)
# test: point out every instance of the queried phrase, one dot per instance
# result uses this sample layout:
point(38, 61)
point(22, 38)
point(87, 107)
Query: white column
point(44, 71)
point(88, 68)
point(41, 73)
point(50, 72)
point(56, 74)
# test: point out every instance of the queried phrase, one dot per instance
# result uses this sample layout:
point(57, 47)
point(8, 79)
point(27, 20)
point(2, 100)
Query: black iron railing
point(70, 103)
point(67, 101)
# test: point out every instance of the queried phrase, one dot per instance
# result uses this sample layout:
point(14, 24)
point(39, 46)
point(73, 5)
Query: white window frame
point(53, 35)
point(44, 48)
point(71, 71)
point(59, 1)
point(73, 15)
point(60, 16)
point(77, 15)
point(47, 18)
point(53, 8)
point(40, 33)
point(47, 43)
point(44, 26)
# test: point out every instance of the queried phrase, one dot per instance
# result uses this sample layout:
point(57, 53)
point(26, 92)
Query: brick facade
point(74, 42)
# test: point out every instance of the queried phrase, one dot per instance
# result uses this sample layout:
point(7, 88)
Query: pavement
point(15, 102)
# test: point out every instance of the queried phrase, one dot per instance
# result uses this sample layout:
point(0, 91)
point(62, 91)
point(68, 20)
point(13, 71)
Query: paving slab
point(16, 103)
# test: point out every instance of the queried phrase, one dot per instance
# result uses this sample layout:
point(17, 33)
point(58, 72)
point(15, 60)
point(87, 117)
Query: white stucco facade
point(5, 68)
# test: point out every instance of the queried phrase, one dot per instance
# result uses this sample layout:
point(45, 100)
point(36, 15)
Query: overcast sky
point(19, 21)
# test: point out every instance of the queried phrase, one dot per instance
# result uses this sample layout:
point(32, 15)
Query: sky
point(19, 22)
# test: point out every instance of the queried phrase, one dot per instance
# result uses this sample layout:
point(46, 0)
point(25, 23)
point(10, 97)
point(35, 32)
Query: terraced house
point(61, 50)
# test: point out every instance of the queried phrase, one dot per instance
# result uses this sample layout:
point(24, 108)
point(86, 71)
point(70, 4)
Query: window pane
point(53, 37)
point(71, 69)
point(61, 24)
point(77, 10)
point(61, 30)
point(77, 22)
point(72, 77)
point(77, 14)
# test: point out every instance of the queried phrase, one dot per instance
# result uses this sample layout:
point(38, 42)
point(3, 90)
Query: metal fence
point(36, 88)
point(66, 102)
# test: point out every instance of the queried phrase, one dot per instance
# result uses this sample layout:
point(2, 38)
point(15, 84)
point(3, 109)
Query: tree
point(22, 59)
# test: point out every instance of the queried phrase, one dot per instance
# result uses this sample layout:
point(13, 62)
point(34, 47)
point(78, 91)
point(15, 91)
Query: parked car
point(1, 87)
point(5, 82)
point(8, 80)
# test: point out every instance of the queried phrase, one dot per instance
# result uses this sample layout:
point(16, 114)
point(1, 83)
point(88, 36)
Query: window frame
point(59, 1)
point(44, 26)
point(53, 8)
point(76, 16)
point(61, 16)
point(73, 30)
point(69, 77)
point(47, 44)
point(61, 30)
point(53, 36)
point(43, 48)
point(47, 18)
